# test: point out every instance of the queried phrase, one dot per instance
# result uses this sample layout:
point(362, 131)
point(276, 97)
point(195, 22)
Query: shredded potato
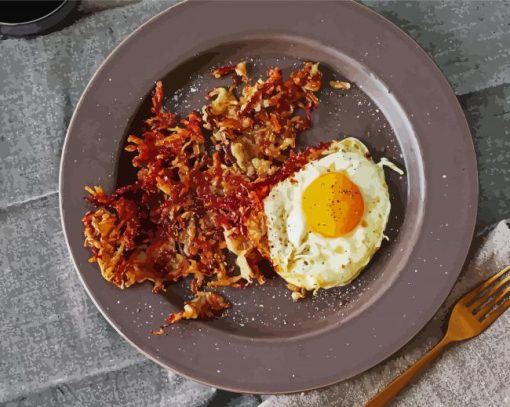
point(191, 205)
point(340, 85)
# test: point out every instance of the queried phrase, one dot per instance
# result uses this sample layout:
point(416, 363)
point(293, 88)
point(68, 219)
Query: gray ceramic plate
point(401, 106)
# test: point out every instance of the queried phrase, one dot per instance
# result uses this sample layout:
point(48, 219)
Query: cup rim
point(62, 4)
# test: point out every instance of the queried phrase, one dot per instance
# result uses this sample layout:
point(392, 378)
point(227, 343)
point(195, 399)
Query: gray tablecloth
point(55, 348)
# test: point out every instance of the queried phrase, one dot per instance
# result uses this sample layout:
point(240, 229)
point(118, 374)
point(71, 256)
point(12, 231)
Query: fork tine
point(491, 317)
point(491, 291)
point(492, 302)
point(469, 297)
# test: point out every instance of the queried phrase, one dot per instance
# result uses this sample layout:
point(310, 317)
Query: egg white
point(307, 259)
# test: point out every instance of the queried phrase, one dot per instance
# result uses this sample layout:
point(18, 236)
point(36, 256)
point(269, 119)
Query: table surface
point(57, 349)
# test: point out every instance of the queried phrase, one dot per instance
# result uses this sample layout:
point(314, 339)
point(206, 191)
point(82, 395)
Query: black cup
point(25, 18)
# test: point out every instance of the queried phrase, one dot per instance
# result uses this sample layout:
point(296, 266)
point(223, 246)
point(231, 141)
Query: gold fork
point(472, 314)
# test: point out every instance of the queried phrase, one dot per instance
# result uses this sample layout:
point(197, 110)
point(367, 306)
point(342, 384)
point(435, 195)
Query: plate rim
point(404, 339)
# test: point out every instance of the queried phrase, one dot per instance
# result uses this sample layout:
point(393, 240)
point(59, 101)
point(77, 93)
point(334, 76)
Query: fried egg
point(326, 222)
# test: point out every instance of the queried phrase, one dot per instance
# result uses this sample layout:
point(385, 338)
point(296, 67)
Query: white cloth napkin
point(473, 373)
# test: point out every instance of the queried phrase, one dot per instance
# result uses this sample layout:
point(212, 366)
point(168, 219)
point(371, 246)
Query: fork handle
point(391, 391)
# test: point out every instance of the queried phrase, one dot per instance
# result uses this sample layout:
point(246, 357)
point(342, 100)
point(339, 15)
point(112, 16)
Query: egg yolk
point(332, 204)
